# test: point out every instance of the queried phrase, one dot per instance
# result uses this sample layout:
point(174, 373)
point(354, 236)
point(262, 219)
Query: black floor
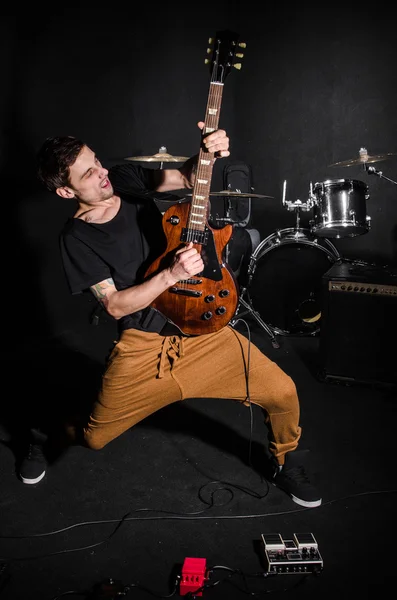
point(186, 483)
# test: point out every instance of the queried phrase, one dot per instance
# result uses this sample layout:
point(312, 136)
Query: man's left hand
point(215, 142)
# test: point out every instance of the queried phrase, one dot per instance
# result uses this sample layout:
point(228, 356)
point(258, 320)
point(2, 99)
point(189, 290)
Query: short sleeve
point(83, 267)
point(129, 179)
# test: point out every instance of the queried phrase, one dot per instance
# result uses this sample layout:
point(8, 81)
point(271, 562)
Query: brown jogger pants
point(147, 371)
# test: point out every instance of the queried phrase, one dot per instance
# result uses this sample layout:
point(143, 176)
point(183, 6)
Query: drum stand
point(297, 206)
point(373, 171)
point(244, 290)
point(251, 311)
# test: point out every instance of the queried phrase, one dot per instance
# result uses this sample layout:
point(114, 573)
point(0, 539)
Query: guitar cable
point(248, 397)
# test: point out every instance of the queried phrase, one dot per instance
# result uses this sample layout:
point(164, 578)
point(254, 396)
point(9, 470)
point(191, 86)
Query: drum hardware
point(297, 206)
point(228, 195)
point(373, 171)
point(237, 194)
point(228, 209)
point(298, 310)
point(338, 205)
point(364, 159)
point(250, 310)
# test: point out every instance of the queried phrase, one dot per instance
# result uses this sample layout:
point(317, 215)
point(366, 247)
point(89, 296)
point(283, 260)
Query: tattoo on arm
point(100, 291)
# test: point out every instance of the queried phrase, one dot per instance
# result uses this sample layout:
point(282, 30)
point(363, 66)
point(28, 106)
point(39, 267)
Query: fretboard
point(200, 198)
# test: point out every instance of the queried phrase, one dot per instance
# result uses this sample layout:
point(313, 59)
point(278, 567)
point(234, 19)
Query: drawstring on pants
point(172, 348)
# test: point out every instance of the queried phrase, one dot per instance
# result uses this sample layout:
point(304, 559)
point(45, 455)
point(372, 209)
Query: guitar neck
point(201, 190)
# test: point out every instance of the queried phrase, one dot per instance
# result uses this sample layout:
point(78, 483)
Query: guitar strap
point(154, 321)
point(149, 319)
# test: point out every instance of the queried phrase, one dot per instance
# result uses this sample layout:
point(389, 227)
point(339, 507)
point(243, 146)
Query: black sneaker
point(292, 479)
point(33, 465)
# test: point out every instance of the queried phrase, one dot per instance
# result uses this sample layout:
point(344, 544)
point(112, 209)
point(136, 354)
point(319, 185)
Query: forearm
point(186, 263)
point(188, 172)
point(124, 302)
point(215, 143)
point(169, 180)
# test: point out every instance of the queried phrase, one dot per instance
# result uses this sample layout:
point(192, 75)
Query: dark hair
point(54, 158)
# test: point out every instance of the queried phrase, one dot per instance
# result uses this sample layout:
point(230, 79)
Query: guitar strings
point(204, 171)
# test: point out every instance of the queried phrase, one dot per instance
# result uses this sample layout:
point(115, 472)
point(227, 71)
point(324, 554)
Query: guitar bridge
point(185, 292)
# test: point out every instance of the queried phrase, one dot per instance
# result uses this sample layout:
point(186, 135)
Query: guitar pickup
point(194, 235)
point(192, 281)
point(184, 292)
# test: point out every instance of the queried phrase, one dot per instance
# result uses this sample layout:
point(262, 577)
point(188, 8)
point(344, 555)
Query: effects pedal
point(299, 555)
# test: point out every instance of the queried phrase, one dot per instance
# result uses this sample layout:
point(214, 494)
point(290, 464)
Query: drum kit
point(285, 270)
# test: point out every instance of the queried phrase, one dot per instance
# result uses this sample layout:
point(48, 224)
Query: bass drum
point(285, 282)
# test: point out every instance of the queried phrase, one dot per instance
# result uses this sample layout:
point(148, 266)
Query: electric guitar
point(206, 302)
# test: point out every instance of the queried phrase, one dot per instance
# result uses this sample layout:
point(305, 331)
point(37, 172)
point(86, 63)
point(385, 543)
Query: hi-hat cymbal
point(363, 159)
point(161, 156)
point(231, 194)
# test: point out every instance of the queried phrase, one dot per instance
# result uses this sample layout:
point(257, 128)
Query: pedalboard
point(299, 555)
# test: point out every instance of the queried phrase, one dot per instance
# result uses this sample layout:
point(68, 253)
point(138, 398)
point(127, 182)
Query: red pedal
point(193, 576)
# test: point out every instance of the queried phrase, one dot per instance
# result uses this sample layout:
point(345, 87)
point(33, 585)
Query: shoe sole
point(306, 503)
point(32, 481)
point(301, 502)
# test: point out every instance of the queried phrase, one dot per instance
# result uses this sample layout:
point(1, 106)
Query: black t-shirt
point(121, 249)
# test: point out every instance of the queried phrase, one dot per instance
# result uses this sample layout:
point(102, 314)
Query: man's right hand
point(187, 262)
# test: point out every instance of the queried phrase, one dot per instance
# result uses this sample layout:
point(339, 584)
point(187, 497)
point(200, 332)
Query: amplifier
point(359, 324)
point(298, 555)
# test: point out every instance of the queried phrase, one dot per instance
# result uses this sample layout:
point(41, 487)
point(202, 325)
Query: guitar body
point(204, 303)
point(207, 302)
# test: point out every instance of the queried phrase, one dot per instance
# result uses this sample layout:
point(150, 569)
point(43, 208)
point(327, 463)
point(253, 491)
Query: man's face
point(88, 179)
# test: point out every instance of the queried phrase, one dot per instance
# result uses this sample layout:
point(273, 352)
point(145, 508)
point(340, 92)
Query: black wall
point(316, 88)
point(312, 90)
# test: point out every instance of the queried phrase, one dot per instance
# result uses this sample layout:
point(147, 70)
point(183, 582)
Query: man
point(107, 247)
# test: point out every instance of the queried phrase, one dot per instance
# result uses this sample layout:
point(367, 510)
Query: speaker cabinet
point(358, 336)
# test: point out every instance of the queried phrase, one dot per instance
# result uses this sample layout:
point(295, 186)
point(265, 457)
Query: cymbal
point(364, 158)
point(231, 194)
point(161, 156)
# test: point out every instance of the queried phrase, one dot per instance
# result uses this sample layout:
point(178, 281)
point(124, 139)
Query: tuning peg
point(237, 66)
point(239, 55)
point(242, 44)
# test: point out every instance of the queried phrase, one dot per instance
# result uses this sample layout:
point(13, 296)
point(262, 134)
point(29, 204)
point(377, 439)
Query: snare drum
point(339, 208)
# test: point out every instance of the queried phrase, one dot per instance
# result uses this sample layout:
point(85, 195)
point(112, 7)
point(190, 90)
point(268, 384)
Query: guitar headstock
point(225, 48)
